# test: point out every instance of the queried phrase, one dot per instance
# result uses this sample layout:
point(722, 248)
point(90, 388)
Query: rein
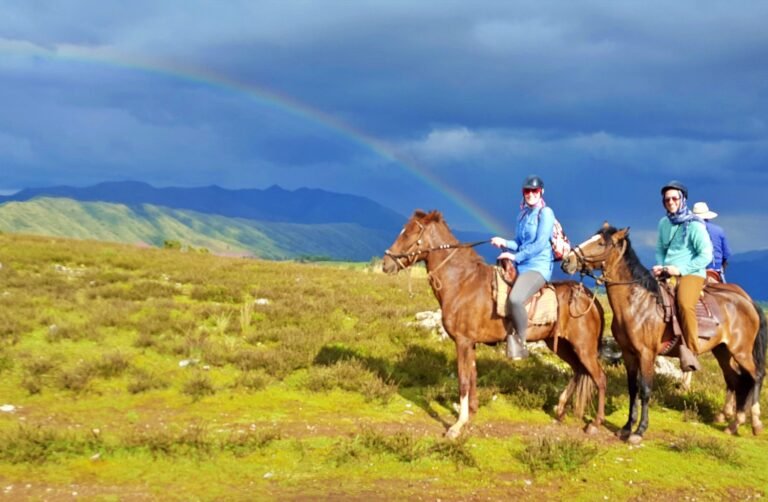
point(441, 247)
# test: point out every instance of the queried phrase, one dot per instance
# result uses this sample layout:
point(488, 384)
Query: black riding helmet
point(675, 185)
point(533, 181)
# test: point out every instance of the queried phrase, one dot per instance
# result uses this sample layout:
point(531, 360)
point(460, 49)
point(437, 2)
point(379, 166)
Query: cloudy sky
point(432, 104)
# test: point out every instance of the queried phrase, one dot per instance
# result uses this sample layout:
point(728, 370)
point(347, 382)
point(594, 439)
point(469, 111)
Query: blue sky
point(435, 104)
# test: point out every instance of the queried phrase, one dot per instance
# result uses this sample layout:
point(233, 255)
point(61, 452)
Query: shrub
point(198, 386)
point(555, 454)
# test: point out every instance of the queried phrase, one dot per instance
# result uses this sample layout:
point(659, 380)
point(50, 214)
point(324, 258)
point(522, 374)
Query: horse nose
point(568, 265)
point(388, 265)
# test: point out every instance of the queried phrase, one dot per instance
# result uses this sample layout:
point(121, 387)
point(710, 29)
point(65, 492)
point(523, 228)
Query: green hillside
point(154, 225)
point(150, 374)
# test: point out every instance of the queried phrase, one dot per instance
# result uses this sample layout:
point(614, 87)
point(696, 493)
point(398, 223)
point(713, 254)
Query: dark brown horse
point(462, 284)
point(640, 329)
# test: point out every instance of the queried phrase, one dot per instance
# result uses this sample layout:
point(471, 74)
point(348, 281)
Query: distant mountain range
point(272, 223)
point(275, 204)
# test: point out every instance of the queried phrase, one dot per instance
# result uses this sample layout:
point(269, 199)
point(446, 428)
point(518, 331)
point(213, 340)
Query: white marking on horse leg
point(757, 424)
point(455, 429)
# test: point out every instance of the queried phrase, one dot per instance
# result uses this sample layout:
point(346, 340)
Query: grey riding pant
point(526, 285)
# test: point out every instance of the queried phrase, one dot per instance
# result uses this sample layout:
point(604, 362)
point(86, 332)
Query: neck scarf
point(683, 216)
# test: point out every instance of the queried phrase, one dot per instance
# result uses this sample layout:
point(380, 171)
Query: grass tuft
point(555, 454)
point(715, 448)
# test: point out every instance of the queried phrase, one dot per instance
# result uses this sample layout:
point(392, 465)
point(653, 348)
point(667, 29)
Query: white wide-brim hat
point(702, 209)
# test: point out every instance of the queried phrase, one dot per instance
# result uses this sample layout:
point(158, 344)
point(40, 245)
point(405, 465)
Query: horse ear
point(620, 235)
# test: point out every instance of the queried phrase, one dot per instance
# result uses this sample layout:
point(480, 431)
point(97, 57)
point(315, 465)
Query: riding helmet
point(676, 185)
point(533, 181)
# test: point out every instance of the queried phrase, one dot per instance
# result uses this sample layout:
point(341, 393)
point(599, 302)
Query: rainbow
point(264, 96)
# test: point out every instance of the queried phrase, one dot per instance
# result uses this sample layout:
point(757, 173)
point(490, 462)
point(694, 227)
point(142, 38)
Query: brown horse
point(640, 329)
point(462, 284)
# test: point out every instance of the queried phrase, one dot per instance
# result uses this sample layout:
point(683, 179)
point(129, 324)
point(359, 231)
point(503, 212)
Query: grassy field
point(140, 374)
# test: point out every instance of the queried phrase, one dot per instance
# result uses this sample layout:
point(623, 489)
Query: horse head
point(602, 249)
point(413, 243)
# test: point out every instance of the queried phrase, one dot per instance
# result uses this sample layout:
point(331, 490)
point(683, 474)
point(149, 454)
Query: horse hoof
point(635, 439)
point(720, 418)
point(591, 429)
point(732, 430)
point(757, 428)
point(452, 433)
point(623, 434)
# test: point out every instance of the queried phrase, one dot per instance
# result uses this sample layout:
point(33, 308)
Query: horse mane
point(433, 216)
point(639, 273)
point(436, 216)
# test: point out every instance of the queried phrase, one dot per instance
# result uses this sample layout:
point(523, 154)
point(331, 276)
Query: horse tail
point(583, 393)
point(760, 345)
point(600, 311)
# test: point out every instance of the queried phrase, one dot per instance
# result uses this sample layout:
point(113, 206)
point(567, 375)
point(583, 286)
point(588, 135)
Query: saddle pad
point(541, 307)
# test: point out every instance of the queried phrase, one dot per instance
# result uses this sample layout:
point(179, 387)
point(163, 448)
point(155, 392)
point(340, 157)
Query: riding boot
point(688, 360)
point(516, 348)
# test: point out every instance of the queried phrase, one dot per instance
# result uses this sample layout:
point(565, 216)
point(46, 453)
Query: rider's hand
point(499, 242)
point(657, 270)
point(506, 255)
point(673, 270)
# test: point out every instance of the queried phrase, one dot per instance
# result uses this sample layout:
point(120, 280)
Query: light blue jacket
point(532, 247)
point(690, 255)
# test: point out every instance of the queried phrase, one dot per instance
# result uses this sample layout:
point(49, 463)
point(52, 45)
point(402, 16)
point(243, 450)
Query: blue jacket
point(532, 247)
point(721, 251)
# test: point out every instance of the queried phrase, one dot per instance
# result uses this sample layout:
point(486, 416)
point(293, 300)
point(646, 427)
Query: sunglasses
point(672, 199)
point(527, 191)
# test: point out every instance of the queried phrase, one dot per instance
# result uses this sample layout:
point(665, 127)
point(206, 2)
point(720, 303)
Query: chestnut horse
point(639, 327)
point(462, 284)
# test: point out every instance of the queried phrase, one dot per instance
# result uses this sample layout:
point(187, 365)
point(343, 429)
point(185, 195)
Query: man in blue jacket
point(721, 251)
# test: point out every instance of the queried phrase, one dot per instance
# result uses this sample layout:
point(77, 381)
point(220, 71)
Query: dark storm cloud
point(607, 100)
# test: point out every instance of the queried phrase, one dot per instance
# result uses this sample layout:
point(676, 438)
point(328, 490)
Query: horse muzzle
point(570, 264)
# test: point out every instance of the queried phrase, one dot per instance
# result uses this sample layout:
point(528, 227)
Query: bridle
point(583, 261)
point(411, 253)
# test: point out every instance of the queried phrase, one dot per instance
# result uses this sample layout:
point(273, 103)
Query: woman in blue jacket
point(532, 253)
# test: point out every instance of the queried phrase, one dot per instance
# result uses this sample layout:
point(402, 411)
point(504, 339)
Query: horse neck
point(622, 276)
point(447, 265)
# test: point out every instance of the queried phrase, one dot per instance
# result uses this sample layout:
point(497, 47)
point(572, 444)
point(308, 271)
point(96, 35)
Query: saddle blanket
point(541, 307)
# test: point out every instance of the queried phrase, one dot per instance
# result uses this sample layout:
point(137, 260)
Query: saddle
point(708, 313)
point(541, 307)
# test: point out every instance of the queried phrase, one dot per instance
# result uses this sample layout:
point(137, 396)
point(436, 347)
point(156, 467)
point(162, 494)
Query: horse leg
point(647, 359)
point(566, 353)
point(589, 361)
point(474, 402)
point(632, 365)
point(685, 380)
point(465, 360)
point(757, 424)
point(723, 357)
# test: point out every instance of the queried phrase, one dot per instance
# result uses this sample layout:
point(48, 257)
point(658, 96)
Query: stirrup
point(516, 348)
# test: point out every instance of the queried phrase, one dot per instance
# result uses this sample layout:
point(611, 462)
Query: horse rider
point(532, 254)
point(721, 251)
point(683, 251)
